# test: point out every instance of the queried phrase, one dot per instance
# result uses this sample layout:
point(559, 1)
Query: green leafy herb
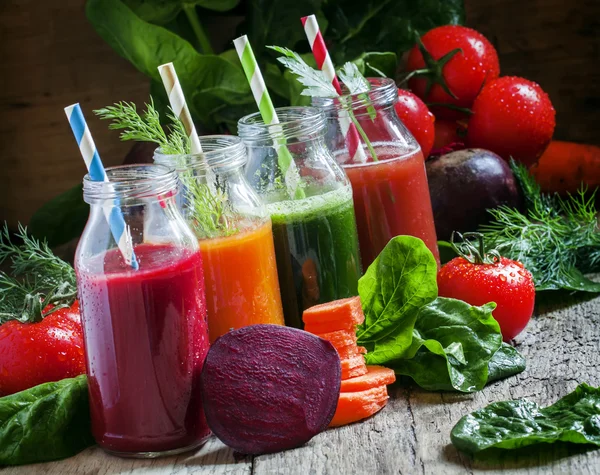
point(47, 422)
point(314, 80)
point(208, 207)
point(443, 344)
point(557, 239)
point(399, 282)
point(353, 79)
point(452, 345)
point(512, 424)
point(507, 361)
point(39, 278)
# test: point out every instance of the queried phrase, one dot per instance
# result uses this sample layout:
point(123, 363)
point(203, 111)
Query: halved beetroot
point(267, 388)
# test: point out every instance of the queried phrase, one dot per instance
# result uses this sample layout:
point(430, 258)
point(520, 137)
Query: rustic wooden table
point(412, 434)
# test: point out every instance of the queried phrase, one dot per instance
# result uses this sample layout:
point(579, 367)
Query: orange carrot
point(339, 338)
point(347, 351)
point(354, 366)
point(339, 314)
point(375, 376)
point(565, 165)
point(355, 406)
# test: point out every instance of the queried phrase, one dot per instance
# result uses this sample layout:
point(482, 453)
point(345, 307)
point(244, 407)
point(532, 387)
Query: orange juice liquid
point(240, 275)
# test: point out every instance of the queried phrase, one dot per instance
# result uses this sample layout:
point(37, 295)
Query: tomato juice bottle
point(309, 200)
point(390, 190)
point(146, 334)
point(234, 233)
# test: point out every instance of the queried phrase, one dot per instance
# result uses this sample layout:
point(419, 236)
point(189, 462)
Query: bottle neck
point(131, 185)
point(294, 125)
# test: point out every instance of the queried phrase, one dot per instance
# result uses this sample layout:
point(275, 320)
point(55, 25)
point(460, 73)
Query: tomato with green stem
point(479, 277)
point(448, 67)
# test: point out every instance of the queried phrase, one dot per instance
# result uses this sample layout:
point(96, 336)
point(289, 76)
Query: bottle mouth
point(128, 183)
point(219, 153)
point(383, 94)
point(295, 124)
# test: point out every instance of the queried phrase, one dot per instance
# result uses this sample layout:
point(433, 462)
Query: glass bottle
point(309, 199)
point(146, 335)
point(234, 232)
point(391, 194)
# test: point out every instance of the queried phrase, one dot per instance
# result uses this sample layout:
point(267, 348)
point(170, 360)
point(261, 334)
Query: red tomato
point(448, 132)
point(416, 117)
point(463, 73)
point(506, 282)
point(36, 353)
point(512, 117)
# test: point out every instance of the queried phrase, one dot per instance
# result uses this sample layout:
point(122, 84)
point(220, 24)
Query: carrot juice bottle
point(389, 183)
point(234, 233)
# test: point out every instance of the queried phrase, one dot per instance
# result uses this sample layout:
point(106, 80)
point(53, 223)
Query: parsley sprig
point(38, 278)
point(557, 239)
point(317, 85)
point(209, 208)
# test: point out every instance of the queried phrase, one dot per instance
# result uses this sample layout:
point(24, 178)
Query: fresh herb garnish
point(557, 239)
point(39, 278)
point(443, 344)
point(512, 424)
point(317, 85)
point(209, 208)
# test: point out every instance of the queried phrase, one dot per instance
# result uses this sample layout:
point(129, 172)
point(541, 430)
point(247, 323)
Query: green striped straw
point(268, 113)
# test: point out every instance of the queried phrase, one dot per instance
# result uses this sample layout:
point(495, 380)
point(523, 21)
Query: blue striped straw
point(89, 152)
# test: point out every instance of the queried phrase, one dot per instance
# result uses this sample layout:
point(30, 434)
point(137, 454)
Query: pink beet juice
point(146, 332)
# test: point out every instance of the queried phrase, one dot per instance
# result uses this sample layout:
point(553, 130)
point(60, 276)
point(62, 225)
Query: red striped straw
point(317, 44)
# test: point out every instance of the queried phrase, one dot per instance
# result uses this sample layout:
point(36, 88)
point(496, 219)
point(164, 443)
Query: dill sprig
point(557, 239)
point(209, 209)
point(39, 278)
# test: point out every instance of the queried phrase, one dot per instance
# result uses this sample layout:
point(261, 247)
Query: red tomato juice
point(391, 197)
point(146, 339)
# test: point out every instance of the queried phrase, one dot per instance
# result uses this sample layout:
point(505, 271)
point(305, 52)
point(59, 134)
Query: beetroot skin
point(267, 388)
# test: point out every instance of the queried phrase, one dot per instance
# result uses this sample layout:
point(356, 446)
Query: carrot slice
point(354, 366)
point(339, 338)
point(338, 314)
point(375, 376)
point(362, 350)
point(347, 351)
point(355, 406)
point(328, 327)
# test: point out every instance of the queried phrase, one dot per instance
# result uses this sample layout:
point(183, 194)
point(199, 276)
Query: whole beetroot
point(267, 388)
point(464, 184)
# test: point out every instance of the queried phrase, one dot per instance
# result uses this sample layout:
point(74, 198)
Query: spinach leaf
point(507, 361)
point(512, 424)
point(47, 422)
point(399, 282)
point(62, 218)
point(452, 345)
point(211, 82)
point(384, 25)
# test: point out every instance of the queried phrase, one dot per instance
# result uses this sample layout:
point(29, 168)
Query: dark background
point(51, 57)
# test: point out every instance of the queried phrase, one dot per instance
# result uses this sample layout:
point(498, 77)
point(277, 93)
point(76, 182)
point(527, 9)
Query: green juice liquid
point(316, 247)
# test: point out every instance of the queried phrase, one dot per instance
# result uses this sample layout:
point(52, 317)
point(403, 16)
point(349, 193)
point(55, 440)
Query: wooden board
point(412, 434)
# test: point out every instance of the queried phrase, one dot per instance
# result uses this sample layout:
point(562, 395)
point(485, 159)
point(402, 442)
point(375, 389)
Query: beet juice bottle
point(389, 183)
point(145, 330)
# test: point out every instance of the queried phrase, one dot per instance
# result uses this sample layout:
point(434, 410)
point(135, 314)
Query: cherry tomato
point(458, 62)
point(512, 117)
point(416, 117)
point(448, 132)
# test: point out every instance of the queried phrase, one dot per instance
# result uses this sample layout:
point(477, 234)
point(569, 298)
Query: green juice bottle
point(310, 202)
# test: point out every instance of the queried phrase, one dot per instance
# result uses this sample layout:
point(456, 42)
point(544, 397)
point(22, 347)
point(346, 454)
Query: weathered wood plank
point(412, 434)
point(213, 458)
